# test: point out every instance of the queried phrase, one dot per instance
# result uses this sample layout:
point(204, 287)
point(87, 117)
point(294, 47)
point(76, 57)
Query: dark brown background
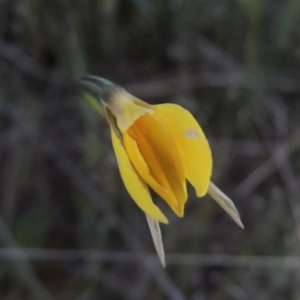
point(68, 228)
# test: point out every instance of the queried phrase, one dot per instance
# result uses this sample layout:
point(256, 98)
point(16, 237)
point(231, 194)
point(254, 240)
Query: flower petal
point(124, 108)
point(191, 142)
point(135, 186)
point(156, 159)
point(157, 239)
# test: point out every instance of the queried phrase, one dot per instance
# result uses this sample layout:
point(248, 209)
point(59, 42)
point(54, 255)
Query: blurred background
point(68, 228)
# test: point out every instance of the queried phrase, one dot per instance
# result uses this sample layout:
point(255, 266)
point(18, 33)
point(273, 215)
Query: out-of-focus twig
point(282, 163)
point(266, 168)
point(218, 79)
point(230, 75)
point(96, 256)
point(21, 60)
point(11, 171)
point(239, 147)
point(22, 267)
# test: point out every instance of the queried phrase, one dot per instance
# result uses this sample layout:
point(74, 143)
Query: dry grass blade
point(23, 268)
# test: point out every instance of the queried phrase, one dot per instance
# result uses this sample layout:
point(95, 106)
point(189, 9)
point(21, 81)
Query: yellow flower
point(157, 146)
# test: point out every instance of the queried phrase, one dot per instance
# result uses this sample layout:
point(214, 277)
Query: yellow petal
point(123, 107)
point(143, 170)
point(191, 142)
point(142, 103)
point(156, 158)
point(136, 187)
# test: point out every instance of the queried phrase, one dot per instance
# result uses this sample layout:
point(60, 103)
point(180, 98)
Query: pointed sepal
point(225, 203)
point(157, 239)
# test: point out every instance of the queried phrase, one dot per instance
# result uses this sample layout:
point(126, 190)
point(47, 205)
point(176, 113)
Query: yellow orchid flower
point(157, 146)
